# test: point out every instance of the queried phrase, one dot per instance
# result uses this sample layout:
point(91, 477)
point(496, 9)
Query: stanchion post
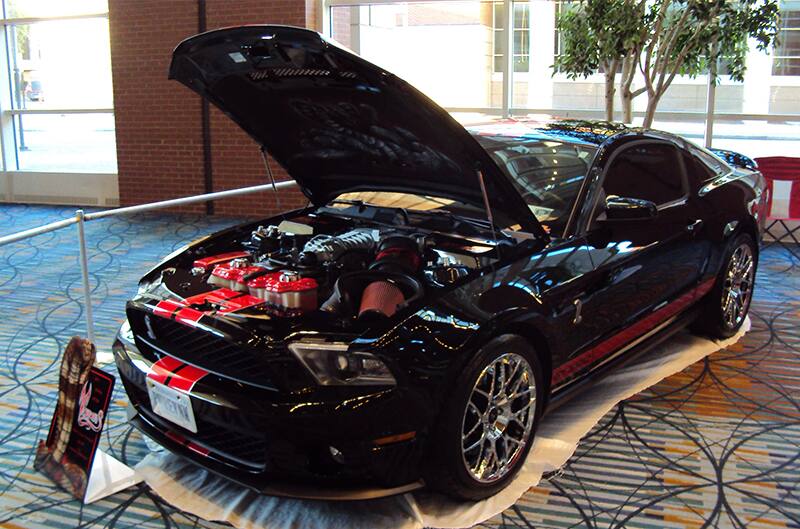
point(87, 295)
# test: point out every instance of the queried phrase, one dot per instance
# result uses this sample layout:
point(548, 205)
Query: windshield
point(415, 210)
point(547, 173)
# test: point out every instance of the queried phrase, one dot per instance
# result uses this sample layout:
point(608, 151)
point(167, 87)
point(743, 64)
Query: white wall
point(450, 64)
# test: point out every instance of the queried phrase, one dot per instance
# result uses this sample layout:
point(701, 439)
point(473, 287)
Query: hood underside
point(338, 123)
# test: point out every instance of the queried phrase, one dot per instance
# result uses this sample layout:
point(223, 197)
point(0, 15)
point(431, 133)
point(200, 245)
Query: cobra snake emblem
point(76, 364)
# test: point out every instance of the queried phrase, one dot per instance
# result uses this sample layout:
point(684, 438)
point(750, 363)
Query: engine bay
point(363, 272)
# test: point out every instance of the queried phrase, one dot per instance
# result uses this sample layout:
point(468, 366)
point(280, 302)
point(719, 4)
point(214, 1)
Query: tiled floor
point(717, 445)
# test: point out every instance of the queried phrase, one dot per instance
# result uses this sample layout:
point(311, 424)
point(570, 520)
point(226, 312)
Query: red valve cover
point(272, 283)
point(233, 276)
point(207, 262)
point(299, 293)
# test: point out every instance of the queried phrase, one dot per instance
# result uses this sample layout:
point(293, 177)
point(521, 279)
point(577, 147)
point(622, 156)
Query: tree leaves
point(663, 38)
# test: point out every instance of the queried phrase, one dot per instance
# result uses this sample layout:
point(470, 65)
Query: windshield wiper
point(456, 218)
point(359, 203)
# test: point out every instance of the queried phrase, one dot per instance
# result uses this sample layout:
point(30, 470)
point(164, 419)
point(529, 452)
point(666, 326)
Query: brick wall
point(158, 123)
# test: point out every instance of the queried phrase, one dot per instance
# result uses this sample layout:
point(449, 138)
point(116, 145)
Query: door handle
point(694, 226)
point(578, 304)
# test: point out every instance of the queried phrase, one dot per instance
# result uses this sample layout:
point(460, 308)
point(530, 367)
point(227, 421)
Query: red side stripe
point(181, 440)
point(175, 436)
point(619, 340)
point(197, 448)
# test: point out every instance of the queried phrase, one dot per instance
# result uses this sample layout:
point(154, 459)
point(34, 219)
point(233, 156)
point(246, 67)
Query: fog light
point(336, 454)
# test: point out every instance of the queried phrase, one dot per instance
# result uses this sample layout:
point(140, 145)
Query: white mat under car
point(199, 492)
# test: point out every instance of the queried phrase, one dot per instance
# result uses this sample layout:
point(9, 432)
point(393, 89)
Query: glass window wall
point(60, 81)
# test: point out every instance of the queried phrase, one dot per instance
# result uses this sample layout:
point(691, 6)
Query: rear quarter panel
point(733, 203)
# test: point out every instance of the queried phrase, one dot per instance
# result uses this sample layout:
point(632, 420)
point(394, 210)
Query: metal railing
point(81, 218)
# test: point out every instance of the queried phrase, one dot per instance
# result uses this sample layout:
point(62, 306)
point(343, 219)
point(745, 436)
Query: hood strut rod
point(486, 205)
point(264, 157)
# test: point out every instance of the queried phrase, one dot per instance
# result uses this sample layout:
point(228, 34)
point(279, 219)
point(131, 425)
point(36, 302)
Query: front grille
point(200, 348)
point(248, 449)
point(244, 448)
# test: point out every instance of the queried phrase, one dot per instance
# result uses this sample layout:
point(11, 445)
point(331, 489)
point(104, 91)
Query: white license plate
point(172, 405)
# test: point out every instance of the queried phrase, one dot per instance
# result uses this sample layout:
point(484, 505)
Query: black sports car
point(441, 290)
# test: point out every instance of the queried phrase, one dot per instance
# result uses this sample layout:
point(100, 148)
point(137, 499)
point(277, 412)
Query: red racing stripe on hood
point(186, 377)
point(163, 369)
point(166, 308)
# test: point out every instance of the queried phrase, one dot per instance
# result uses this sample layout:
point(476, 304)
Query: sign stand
point(104, 358)
point(108, 476)
point(70, 455)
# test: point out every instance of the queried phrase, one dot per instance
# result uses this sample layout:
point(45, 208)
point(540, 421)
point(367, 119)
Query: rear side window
point(712, 163)
point(695, 167)
point(647, 171)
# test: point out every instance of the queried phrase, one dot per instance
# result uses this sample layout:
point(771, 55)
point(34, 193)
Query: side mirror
point(624, 208)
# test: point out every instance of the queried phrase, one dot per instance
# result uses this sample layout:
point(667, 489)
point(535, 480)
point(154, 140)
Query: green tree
point(664, 38)
point(690, 37)
point(599, 35)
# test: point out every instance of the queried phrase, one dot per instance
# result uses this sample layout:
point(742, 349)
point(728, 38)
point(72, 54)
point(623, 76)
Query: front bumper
point(288, 445)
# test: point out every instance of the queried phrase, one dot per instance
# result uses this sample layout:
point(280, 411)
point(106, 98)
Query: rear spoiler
point(737, 159)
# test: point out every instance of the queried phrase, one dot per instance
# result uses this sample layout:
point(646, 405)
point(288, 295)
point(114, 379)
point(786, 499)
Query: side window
point(713, 165)
point(648, 171)
point(696, 168)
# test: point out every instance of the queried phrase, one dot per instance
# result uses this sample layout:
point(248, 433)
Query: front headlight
point(125, 333)
point(332, 365)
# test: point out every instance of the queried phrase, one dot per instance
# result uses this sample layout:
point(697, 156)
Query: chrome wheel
point(737, 287)
point(499, 417)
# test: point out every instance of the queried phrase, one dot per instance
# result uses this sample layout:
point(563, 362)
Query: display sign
point(84, 393)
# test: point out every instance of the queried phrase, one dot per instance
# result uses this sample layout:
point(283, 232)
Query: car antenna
point(264, 157)
point(486, 205)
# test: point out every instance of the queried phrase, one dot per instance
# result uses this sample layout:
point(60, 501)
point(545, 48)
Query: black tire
point(448, 470)
point(712, 320)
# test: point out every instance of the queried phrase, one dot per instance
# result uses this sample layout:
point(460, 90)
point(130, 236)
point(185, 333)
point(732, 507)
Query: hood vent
point(288, 72)
point(277, 73)
point(337, 123)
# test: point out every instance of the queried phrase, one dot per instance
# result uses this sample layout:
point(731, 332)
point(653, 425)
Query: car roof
point(586, 132)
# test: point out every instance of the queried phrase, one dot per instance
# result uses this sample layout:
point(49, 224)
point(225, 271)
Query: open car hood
point(338, 123)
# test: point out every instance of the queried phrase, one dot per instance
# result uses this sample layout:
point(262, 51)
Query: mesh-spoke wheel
point(724, 308)
point(737, 287)
point(498, 418)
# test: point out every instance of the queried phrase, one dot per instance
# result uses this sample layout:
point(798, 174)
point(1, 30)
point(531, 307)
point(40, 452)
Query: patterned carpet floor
point(717, 445)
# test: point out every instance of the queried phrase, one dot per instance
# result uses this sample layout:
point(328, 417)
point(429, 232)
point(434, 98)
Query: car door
point(640, 264)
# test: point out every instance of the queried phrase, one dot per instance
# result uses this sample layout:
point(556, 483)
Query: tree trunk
point(650, 113)
point(708, 137)
point(610, 70)
point(627, 106)
point(625, 93)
